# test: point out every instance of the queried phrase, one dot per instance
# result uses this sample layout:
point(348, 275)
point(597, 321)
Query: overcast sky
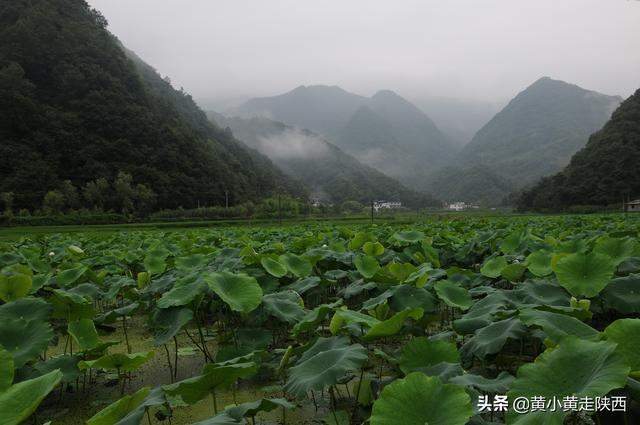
point(474, 49)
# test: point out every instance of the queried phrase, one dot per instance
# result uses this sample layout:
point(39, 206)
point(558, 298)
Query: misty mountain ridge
point(534, 135)
point(329, 173)
point(385, 131)
point(604, 172)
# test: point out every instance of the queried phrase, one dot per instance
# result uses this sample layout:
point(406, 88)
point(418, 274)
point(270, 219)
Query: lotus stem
point(175, 364)
point(169, 362)
point(215, 402)
point(126, 336)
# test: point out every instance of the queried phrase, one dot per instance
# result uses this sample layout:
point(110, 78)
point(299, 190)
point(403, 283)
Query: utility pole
point(372, 211)
point(226, 198)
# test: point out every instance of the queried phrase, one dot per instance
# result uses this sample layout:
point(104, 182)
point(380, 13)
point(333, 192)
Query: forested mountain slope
point(539, 130)
point(604, 172)
point(385, 131)
point(74, 107)
point(328, 172)
point(535, 135)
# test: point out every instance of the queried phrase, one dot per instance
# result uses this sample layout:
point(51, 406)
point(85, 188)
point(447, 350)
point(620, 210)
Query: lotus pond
point(451, 320)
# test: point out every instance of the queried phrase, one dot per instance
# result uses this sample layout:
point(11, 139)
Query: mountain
point(476, 184)
point(325, 169)
point(539, 130)
point(74, 105)
point(321, 109)
point(535, 135)
point(385, 131)
point(458, 119)
point(604, 172)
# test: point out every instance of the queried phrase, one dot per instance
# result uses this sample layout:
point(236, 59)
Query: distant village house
point(632, 206)
point(386, 205)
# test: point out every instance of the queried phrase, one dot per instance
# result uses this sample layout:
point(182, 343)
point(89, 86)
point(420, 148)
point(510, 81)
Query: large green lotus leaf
point(69, 276)
point(498, 385)
point(324, 369)
point(19, 401)
point(360, 239)
point(6, 369)
point(422, 353)
point(285, 305)
point(622, 294)
point(14, 286)
point(241, 292)
point(119, 361)
point(575, 367)
point(115, 412)
point(303, 285)
point(273, 267)
point(408, 236)
point(453, 294)
point(515, 242)
point(626, 333)
point(190, 262)
point(26, 308)
point(490, 339)
point(25, 340)
point(373, 249)
point(66, 364)
point(380, 299)
point(513, 272)
point(312, 319)
point(183, 293)
point(408, 296)
point(539, 263)
point(557, 326)
point(252, 408)
point(167, 322)
point(418, 399)
point(84, 333)
point(323, 344)
point(584, 274)
point(493, 268)
point(618, 249)
point(214, 377)
point(393, 325)
point(70, 306)
point(346, 317)
point(155, 261)
point(297, 265)
point(367, 266)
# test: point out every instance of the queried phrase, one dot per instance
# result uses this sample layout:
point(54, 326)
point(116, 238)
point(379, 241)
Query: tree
point(124, 192)
point(7, 202)
point(96, 193)
point(145, 200)
point(53, 202)
point(70, 194)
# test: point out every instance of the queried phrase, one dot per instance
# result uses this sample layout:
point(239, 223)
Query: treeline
point(121, 195)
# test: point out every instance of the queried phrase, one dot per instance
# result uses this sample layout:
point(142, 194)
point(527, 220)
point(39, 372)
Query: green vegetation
point(74, 106)
point(385, 132)
point(535, 135)
point(329, 173)
point(406, 324)
point(604, 173)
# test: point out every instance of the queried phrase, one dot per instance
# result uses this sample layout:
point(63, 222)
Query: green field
point(416, 320)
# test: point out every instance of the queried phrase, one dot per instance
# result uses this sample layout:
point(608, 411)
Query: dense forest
point(604, 172)
point(76, 110)
point(534, 136)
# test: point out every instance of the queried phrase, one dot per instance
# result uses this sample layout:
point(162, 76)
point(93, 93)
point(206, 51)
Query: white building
point(386, 205)
point(632, 206)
